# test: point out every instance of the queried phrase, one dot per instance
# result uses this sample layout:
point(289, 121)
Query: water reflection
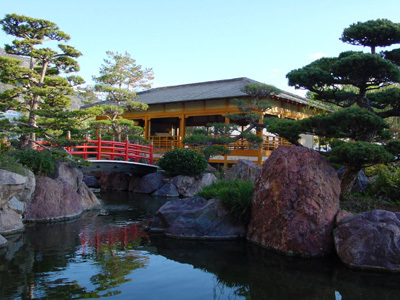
point(110, 255)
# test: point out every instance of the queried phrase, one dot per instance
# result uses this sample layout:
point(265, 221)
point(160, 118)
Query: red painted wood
point(111, 149)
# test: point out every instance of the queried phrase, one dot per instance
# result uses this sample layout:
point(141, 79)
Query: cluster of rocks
point(156, 184)
point(42, 199)
point(295, 211)
point(295, 208)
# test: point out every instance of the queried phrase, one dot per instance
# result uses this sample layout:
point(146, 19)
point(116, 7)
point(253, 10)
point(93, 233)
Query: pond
point(110, 255)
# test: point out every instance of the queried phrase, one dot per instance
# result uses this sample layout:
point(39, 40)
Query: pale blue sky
point(187, 41)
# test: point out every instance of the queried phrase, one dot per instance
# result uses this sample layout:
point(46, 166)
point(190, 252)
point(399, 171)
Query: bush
point(386, 185)
point(183, 162)
point(39, 162)
point(236, 195)
point(9, 163)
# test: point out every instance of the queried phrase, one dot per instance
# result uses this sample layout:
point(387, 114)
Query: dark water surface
point(111, 256)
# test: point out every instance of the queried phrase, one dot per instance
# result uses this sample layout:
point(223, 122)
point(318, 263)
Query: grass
point(359, 203)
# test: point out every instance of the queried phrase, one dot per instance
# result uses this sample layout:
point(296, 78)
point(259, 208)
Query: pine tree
point(39, 91)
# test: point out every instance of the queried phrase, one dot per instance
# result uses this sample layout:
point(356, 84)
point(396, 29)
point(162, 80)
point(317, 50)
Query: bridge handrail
point(111, 149)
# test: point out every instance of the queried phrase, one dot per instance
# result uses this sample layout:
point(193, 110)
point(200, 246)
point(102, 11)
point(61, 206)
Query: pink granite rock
point(52, 201)
point(295, 202)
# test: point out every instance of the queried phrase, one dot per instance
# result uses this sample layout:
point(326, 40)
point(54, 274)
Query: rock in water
point(296, 199)
point(197, 218)
point(52, 201)
point(370, 240)
point(150, 183)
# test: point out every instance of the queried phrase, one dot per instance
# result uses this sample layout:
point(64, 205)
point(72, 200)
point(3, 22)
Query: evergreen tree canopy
point(251, 112)
point(373, 33)
point(39, 92)
point(365, 85)
point(120, 78)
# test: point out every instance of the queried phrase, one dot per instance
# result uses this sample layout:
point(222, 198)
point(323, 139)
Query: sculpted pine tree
point(39, 91)
point(213, 141)
point(120, 78)
point(364, 86)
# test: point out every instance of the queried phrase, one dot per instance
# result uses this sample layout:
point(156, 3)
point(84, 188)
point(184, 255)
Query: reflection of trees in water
point(113, 250)
point(28, 265)
point(227, 260)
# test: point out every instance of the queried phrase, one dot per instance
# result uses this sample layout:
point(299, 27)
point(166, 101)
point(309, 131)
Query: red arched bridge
point(115, 156)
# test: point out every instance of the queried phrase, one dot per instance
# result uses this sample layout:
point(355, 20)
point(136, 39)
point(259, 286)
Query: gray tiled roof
point(204, 90)
point(228, 88)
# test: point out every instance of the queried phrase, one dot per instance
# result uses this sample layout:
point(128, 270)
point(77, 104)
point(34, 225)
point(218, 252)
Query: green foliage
point(236, 195)
point(289, 129)
point(373, 33)
point(386, 184)
point(212, 142)
point(120, 78)
point(39, 162)
point(360, 154)
point(136, 139)
point(10, 163)
point(373, 170)
point(183, 162)
point(42, 89)
point(358, 82)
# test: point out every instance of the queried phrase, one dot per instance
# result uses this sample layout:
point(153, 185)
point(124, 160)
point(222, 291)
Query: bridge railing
point(100, 149)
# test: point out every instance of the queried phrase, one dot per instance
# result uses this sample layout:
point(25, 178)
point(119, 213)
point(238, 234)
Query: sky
point(189, 41)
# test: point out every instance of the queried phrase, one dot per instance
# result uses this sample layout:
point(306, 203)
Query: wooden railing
point(99, 149)
point(165, 143)
point(272, 142)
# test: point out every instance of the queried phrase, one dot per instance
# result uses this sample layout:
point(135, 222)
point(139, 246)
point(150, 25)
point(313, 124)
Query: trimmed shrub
point(183, 162)
point(39, 162)
point(236, 195)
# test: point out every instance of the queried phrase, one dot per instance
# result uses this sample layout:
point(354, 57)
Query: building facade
point(174, 110)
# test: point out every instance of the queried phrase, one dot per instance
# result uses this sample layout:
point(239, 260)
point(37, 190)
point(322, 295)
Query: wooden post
point(147, 128)
point(98, 147)
point(151, 153)
point(126, 150)
point(227, 121)
point(259, 152)
point(85, 152)
point(182, 130)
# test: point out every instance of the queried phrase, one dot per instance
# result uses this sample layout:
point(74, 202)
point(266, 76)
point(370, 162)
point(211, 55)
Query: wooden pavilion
point(174, 109)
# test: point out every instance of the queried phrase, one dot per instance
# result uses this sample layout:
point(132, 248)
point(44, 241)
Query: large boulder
point(91, 181)
point(150, 183)
point(26, 195)
point(10, 221)
point(111, 180)
point(243, 170)
point(205, 179)
point(182, 183)
point(360, 183)
point(197, 218)
point(296, 199)
point(167, 190)
point(370, 240)
point(89, 199)
point(53, 201)
point(134, 182)
point(11, 184)
point(67, 174)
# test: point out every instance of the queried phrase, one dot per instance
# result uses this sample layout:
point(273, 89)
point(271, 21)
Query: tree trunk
point(348, 179)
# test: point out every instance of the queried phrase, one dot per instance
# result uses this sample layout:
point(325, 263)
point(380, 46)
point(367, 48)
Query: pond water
point(109, 255)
